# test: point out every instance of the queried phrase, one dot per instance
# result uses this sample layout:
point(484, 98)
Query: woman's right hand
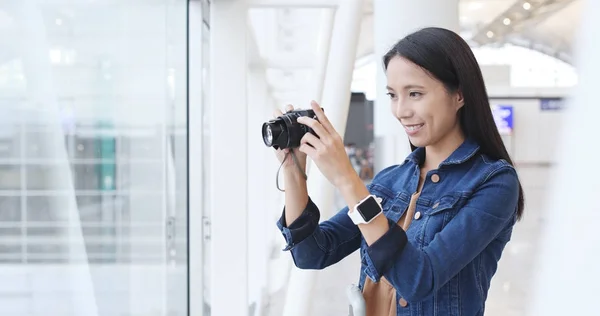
point(289, 164)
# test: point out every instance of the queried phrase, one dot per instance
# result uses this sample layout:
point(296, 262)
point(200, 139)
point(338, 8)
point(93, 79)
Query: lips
point(413, 128)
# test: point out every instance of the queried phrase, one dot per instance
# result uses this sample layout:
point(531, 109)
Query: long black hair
point(448, 58)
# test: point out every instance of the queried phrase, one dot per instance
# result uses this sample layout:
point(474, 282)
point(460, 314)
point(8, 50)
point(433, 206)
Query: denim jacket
point(444, 262)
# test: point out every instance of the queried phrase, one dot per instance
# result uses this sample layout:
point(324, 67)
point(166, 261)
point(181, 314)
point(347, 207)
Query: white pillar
point(320, 70)
point(228, 158)
point(392, 21)
point(567, 265)
point(196, 161)
point(325, 31)
point(260, 185)
point(336, 102)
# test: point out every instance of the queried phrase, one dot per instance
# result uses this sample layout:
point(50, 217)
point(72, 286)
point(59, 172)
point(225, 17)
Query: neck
point(440, 151)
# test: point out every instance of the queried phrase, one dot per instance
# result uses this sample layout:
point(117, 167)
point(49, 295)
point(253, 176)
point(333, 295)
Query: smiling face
point(424, 107)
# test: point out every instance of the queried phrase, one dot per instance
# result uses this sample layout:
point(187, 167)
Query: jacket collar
point(463, 153)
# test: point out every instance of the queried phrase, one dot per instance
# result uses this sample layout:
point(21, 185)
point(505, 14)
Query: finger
point(321, 116)
point(308, 150)
point(315, 125)
point(277, 113)
point(289, 108)
point(313, 141)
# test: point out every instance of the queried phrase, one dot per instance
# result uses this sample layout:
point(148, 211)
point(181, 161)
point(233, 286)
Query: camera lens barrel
point(285, 131)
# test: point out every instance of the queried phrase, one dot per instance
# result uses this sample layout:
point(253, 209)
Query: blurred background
point(133, 177)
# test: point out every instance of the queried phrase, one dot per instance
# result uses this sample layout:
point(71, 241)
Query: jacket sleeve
point(317, 246)
point(416, 273)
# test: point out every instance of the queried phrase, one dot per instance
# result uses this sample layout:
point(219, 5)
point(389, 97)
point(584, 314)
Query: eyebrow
point(410, 86)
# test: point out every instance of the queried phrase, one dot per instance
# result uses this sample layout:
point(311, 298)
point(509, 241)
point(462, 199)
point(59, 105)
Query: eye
point(415, 94)
point(391, 95)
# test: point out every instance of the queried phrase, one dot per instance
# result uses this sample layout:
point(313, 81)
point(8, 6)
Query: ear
point(459, 100)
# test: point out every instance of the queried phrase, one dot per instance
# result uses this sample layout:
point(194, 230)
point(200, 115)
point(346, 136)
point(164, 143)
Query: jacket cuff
point(302, 227)
point(381, 255)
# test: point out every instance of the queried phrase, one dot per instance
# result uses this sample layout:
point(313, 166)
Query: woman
point(432, 229)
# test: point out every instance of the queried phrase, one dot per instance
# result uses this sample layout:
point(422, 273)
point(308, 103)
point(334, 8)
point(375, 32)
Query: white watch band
point(355, 215)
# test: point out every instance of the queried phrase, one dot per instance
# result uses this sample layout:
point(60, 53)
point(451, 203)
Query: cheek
point(445, 120)
point(440, 118)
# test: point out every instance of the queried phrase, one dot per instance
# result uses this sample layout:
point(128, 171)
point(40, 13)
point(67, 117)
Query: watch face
point(369, 209)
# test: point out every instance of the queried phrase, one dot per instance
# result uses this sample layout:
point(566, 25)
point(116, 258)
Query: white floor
point(511, 287)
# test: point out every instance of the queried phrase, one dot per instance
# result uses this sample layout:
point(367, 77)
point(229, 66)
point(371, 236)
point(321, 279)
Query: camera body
point(285, 131)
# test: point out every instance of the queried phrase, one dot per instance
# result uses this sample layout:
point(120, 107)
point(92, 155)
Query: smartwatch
point(366, 210)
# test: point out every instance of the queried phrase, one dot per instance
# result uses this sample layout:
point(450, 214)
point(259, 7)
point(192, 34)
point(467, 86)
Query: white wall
point(496, 75)
point(535, 132)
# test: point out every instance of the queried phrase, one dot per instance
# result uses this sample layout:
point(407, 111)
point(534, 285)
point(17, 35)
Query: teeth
point(414, 127)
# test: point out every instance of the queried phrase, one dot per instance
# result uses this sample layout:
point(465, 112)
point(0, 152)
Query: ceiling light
point(490, 34)
point(526, 5)
point(506, 21)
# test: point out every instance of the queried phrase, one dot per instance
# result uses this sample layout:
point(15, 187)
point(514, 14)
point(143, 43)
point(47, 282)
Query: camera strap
point(297, 166)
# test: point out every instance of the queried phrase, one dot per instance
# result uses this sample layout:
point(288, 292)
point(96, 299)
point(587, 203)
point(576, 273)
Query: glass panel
point(11, 232)
point(10, 177)
point(93, 158)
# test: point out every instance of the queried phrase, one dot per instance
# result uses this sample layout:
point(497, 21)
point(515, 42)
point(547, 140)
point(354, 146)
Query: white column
point(567, 266)
point(196, 161)
point(336, 102)
point(228, 158)
point(320, 70)
point(260, 187)
point(325, 31)
point(392, 21)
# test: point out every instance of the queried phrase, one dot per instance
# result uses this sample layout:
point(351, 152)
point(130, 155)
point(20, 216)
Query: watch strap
point(357, 217)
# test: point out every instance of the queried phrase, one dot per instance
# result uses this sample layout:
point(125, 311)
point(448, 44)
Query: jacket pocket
point(393, 204)
point(443, 204)
point(386, 195)
point(437, 216)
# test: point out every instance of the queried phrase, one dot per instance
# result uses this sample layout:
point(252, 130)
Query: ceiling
point(287, 39)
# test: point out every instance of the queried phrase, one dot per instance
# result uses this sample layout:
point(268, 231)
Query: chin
point(418, 142)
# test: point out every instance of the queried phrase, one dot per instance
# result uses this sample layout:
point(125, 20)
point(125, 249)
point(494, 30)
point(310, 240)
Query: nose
point(402, 110)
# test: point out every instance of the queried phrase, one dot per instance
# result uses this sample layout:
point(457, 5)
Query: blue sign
point(503, 116)
point(552, 104)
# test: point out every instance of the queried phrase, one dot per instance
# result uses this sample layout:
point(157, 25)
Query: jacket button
point(435, 178)
point(417, 215)
point(402, 302)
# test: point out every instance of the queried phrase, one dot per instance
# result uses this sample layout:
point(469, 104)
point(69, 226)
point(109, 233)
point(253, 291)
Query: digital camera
point(285, 131)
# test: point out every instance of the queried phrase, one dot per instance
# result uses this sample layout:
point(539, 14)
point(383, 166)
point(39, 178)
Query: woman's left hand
point(327, 150)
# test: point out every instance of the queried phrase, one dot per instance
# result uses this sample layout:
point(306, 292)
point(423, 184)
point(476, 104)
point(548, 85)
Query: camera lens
point(270, 132)
point(285, 131)
point(269, 139)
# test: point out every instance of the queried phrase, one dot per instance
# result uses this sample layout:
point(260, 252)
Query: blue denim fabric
point(444, 262)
